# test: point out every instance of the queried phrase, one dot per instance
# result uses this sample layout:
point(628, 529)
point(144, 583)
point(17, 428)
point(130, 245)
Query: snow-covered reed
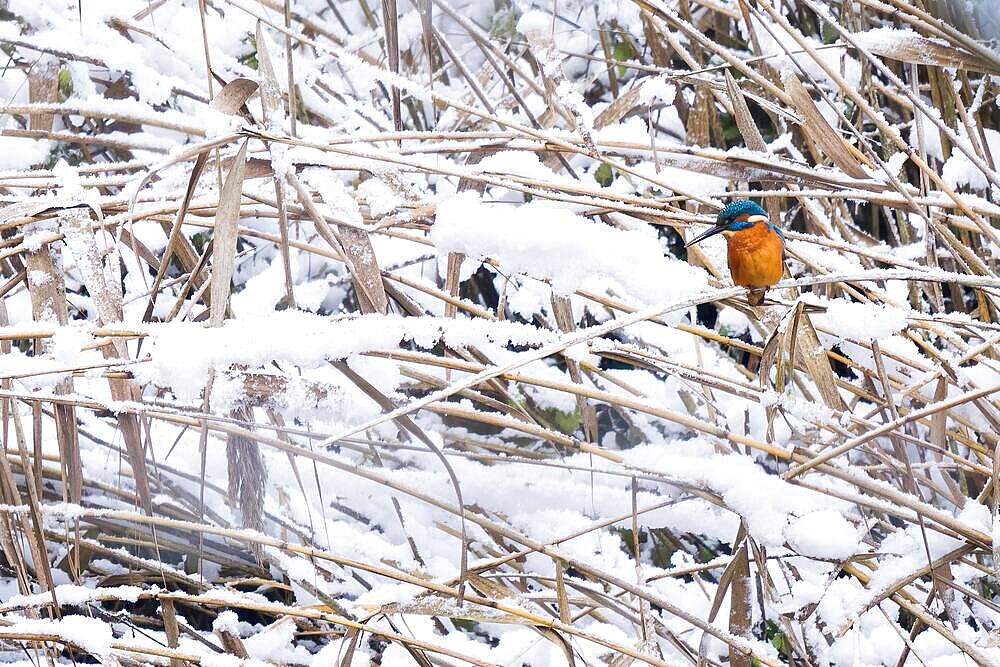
point(356, 332)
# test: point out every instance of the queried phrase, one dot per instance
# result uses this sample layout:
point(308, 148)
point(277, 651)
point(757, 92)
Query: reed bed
point(405, 363)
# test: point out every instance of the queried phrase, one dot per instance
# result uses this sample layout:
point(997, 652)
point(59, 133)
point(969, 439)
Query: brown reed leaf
point(816, 127)
point(225, 238)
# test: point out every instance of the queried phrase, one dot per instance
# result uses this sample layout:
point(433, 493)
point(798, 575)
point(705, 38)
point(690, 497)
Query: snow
point(182, 353)
point(90, 634)
point(521, 163)
point(861, 321)
point(775, 41)
point(274, 645)
point(657, 88)
point(20, 153)
point(535, 25)
point(691, 444)
point(775, 511)
point(227, 621)
point(885, 38)
point(548, 242)
point(823, 534)
point(689, 181)
point(73, 595)
point(37, 372)
point(380, 197)
point(959, 171)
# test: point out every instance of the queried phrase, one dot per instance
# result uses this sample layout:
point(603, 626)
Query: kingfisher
point(754, 247)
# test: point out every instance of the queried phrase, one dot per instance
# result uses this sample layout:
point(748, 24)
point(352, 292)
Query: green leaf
point(504, 25)
point(464, 624)
point(776, 636)
point(622, 52)
point(200, 240)
point(250, 57)
point(65, 83)
point(61, 150)
point(828, 34)
point(661, 553)
point(564, 422)
point(604, 175)
point(730, 130)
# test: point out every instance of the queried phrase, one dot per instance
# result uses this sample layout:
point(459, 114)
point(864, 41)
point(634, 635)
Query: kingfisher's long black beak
point(711, 231)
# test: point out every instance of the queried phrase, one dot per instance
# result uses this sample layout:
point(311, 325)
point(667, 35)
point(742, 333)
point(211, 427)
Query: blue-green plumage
point(737, 208)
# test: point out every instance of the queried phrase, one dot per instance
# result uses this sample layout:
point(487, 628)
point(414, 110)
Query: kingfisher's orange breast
point(755, 256)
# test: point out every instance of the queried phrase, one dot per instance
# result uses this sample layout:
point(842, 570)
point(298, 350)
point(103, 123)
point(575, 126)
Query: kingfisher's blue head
point(737, 215)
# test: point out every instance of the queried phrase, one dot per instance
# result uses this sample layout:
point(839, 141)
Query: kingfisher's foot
point(755, 297)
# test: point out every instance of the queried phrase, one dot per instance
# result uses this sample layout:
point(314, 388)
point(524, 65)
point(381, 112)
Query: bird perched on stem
point(755, 247)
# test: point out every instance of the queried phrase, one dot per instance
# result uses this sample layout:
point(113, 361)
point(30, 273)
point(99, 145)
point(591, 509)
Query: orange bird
point(754, 247)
